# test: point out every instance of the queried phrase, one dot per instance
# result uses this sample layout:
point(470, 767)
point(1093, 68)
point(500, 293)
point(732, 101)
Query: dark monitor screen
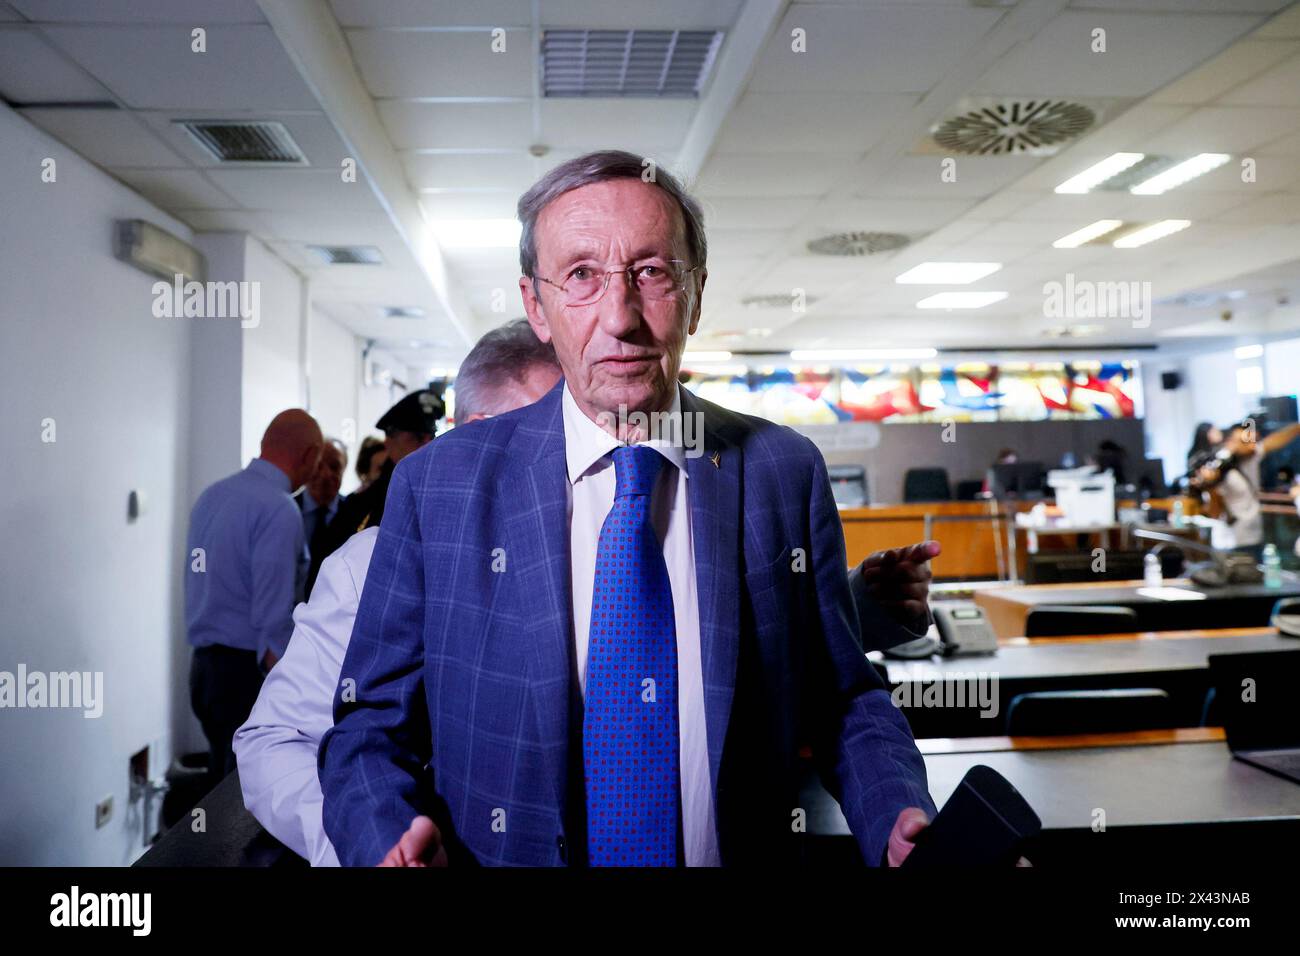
point(1255, 694)
point(1021, 479)
point(848, 484)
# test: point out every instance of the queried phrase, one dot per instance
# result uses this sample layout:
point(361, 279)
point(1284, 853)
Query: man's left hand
point(899, 581)
point(902, 838)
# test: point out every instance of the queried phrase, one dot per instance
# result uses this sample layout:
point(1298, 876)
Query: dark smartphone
point(983, 824)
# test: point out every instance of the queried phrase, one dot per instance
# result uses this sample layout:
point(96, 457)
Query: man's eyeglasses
point(662, 279)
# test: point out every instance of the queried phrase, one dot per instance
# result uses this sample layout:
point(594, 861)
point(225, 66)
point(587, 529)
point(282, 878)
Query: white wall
point(273, 374)
point(333, 371)
point(1282, 367)
point(80, 587)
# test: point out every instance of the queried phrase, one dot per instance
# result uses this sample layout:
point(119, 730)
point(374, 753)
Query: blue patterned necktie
point(629, 730)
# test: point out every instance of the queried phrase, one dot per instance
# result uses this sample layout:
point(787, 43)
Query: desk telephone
point(963, 631)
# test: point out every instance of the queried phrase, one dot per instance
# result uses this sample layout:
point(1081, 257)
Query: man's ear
point(533, 309)
point(698, 305)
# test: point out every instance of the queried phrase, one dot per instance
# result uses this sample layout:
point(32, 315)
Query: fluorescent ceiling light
point(1100, 172)
point(1177, 175)
point(1249, 351)
point(706, 357)
point(1087, 233)
point(477, 233)
point(961, 300)
point(947, 273)
point(855, 355)
point(1158, 230)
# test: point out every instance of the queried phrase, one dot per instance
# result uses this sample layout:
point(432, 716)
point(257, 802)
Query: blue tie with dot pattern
point(629, 728)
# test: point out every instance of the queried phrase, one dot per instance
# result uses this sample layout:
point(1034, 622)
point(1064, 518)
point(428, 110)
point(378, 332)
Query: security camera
point(1226, 315)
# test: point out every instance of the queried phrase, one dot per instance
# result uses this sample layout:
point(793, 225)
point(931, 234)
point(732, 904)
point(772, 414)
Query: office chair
point(1088, 711)
point(1066, 620)
point(968, 490)
point(926, 484)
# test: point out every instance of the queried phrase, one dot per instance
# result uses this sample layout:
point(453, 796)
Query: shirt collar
point(586, 443)
point(272, 473)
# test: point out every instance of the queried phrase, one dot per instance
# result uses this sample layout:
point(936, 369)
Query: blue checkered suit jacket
point(459, 694)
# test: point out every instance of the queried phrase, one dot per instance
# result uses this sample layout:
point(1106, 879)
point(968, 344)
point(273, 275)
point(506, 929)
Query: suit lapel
point(714, 490)
point(538, 562)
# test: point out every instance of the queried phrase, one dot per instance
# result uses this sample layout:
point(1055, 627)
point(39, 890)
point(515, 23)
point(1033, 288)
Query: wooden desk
point(1183, 798)
point(1234, 606)
point(971, 548)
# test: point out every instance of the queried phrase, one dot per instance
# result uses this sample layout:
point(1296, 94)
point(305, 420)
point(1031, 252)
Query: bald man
point(246, 566)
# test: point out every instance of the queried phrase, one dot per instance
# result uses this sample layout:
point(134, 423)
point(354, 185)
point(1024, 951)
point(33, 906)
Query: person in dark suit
point(319, 502)
point(407, 426)
point(598, 630)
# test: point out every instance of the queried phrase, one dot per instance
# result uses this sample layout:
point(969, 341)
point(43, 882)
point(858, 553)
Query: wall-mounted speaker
point(1171, 380)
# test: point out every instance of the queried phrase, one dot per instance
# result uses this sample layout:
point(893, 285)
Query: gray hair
point(506, 354)
point(595, 168)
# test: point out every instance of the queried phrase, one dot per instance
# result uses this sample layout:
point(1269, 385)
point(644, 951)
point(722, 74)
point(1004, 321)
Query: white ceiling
point(831, 139)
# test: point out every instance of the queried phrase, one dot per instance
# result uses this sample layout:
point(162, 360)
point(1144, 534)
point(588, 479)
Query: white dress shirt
point(276, 747)
point(591, 495)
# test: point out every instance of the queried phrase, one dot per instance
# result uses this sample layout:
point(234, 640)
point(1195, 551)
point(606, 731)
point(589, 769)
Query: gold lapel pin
point(716, 458)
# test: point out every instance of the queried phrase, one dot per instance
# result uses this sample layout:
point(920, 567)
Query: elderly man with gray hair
point(638, 637)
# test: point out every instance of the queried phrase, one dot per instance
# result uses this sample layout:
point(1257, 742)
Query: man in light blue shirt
point(246, 571)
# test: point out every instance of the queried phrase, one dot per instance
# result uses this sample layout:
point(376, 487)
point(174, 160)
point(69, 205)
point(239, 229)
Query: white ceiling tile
point(175, 188)
point(458, 125)
point(1185, 6)
point(803, 122)
point(496, 171)
point(919, 177)
point(743, 243)
point(1221, 129)
point(8, 14)
point(636, 125)
point(469, 205)
point(1234, 66)
point(294, 190)
point(460, 63)
point(223, 220)
point(1286, 146)
point(422, 13)
point(784, 174)
point(890, 215)
point(1269, 208)
point(190, 12)
point(245, 67)
point(1285, 25)
point(105, 137)
point(1279, 86)
point(660, 15)
point(728, 212)
point(904, 48)
point(1143, 53)
point(31, 71)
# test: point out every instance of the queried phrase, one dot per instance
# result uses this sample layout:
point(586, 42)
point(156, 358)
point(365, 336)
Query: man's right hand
point(420, 845)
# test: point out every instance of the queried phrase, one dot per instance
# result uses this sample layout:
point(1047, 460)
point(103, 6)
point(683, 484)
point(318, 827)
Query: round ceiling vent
point(857, 243)
point(1017, 126)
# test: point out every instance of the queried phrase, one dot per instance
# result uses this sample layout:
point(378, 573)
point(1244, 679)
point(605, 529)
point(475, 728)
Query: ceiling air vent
point(233, 141)
point(631, 63)
point(347, 255)
point(857, 243)
point(1037, 127)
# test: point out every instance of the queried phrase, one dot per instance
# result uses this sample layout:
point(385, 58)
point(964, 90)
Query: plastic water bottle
point(1178, 516)
point(1272, 566)
point(1151, 574)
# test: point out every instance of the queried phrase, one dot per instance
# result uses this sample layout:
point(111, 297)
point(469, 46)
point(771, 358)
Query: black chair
point(1057, 712)
point(968, 490)
point(926, 484)
point(1065, 620)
